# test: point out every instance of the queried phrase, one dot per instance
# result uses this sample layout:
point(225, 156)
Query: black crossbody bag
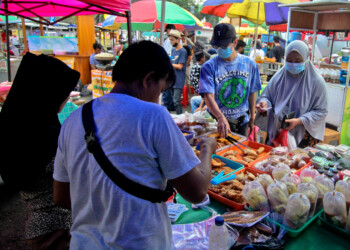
point(129, 186)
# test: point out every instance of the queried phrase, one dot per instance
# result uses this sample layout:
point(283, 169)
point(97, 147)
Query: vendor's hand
point(223, 127)
point(197, 110)
point(261, 107)
point(208, 142)
point(251, 125)
point(293, 123)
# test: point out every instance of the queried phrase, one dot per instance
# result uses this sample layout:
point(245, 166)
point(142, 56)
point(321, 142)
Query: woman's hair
point(199, 55)
point(141, 58)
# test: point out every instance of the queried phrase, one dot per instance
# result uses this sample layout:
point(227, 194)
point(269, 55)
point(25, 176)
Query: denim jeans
point(195, 103)
point(177, 101)
point(168, 99)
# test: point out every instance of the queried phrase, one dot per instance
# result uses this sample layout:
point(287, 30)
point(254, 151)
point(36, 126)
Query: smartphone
point(285, 124)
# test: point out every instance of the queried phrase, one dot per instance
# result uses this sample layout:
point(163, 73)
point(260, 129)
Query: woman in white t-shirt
point(258, 51)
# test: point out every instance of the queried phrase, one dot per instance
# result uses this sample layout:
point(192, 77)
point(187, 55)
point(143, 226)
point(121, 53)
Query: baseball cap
point(223, 34)
point(175, 33)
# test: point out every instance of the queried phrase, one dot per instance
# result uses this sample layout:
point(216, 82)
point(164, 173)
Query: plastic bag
point(280, 171)
point(279, 151)
point(344, 188)
point(196, 235)
point(265, 180)
point(291, 142)
point(256, 197)
point(244, 218)
point(308, 175)
point(323, 185)
point(281, 139)
point(335, 208)
point(278, 196)
point(311, 192)
point(292, 181)
point(297, 211)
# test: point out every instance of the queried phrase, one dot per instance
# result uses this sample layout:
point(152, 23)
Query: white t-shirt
point(258, 52)
point(143, 142)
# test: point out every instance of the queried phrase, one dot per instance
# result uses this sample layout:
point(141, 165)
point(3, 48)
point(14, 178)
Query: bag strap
point(129, 186)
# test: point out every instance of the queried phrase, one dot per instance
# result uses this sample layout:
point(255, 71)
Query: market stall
point(277, 198)
point(328, 16)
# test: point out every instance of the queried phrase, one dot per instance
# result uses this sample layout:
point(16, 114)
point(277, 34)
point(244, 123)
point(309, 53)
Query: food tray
point(296, 232)
point(251, 144)
point(332, 227)
point(308, 164)
point(232, 164)
point(225, 201)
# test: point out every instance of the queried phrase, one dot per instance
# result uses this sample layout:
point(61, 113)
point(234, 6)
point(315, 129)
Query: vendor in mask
point(300, 88)
point(229, 82)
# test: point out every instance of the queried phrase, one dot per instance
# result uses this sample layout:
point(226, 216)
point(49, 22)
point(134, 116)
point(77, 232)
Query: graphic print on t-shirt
point(233, 92)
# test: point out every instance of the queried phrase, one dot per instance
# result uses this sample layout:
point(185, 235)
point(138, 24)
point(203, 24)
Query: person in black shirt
point(240, 46)
point(277, 52)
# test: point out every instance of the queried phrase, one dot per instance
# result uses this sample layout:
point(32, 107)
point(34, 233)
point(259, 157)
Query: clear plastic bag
point(297, 211)
point(280, 171)
point(335, 208)
point(278, 196)
point(344, 188)
point(292, 143)
point(308, 175)
point(265, 180)
point(311, 192)
point(292, 181)
point(279, 151)
point(256, 197)
point(323, 185)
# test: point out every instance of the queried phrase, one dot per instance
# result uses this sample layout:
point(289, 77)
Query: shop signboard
point(345, 131)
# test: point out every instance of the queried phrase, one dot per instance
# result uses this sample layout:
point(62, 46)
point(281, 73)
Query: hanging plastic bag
point(280, 171)
point(253, 136)
point(278, 197)
point(308, 175)
point(256, 197)
point(323, 185)
point(265, 180)
point(335, 208)
point(285, 139)
point(292, 181)
point(297, 211)
point(311, 192)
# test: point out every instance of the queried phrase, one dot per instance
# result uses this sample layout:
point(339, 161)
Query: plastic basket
point(227, 202)
point(232, 164)
point(332, 227)
point(296, 232)
point(251, 144)
point(190, 134)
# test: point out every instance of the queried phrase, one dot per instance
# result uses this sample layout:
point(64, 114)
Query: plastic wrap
point(278, 197)
point(279, 151)
point(308, 175)
point(344, 188)
point(265, 180)
point(196, 235)
point(244, 218)
point(292, 181)
point(297, 211)
point(256, 197)
point(335, 208)
point(280, 171)
point(311, 192)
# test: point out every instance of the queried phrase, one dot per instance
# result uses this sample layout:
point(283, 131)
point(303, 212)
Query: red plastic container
point(230, 203)
point(251, 144)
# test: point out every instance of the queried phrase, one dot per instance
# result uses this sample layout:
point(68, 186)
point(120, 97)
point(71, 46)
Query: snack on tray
point(215, 163)
point(279, 151)
point(280, 171)
point(311, 192)
point(265, 180)
point(255, 195)
point(291, 181)
point(297, 211)
point(335, 208)
point(278, 196)
point(244, 218)
point(308, 175)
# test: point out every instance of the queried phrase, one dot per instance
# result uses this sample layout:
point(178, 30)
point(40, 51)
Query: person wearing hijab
point(300, 88)
point(29, 142)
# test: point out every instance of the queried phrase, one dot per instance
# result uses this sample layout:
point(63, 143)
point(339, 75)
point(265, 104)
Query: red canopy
point(65, 8)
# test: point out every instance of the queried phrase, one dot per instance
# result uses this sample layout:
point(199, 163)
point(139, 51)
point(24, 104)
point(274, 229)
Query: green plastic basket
point(331, 227)
point(296, 232)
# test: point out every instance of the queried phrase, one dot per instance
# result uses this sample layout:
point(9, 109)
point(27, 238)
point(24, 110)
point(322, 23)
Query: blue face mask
point(224, 53)
point(295, 68)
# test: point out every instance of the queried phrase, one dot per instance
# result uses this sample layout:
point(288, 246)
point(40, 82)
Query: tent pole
point(7, 42)
point(330, 55)
point(314, 35)
point(128, 18)
point(24, 31)
point(256, 28)
point(162, 21)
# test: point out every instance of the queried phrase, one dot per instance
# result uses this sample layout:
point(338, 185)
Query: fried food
point(250, 152)
point(247, 159)
point(215, 163)
point(240, 177)
point(251, 177)
point(230, 152)
point(237, 185)
point(260, 150)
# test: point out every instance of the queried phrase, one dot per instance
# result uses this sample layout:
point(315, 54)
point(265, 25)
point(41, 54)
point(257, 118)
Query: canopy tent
point(41, 11)
point(146, 16)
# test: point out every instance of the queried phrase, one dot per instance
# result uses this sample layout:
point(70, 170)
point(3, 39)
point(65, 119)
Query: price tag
point(3, 66)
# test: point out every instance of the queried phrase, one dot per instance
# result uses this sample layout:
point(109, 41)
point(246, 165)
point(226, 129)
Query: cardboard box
point(331, 137)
